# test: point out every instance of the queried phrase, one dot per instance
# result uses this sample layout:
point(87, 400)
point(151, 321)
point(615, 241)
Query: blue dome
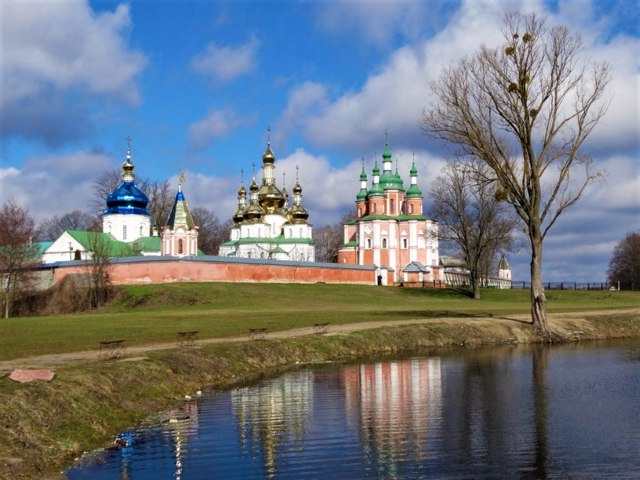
point(127, 199)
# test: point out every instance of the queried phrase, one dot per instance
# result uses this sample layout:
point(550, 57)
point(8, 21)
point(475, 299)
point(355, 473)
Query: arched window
point(374, 208)
point(179, 246)
point(124, 232)
point(359, 212)
point(77, 255)
point(141, 227)
point(411, 208)
point(368, 243)
point(404, 243)
point(391, 205)
point(384, 243)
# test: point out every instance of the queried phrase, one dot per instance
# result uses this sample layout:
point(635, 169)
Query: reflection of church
point(265, 226)
point(271, 413)
point(396, 404)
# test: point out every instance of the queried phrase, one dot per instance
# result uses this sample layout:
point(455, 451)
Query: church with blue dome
point(127, 227)
point(126, 217)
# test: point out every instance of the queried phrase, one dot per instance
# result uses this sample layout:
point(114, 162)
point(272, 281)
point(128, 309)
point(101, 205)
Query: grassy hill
point(154, 313)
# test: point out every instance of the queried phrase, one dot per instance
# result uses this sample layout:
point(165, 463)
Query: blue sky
point(196, 84)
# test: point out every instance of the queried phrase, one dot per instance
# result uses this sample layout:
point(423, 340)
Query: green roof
point(391, 181)
point(91, 240)
point(414, 191)
point(402, 217)
point(42, 247)
point(377, 216)
point(147, 244)
point(352, 243)
point(405, 216)
point(276, 240)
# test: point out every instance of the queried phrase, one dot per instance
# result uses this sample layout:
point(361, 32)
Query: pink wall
point(134, 272)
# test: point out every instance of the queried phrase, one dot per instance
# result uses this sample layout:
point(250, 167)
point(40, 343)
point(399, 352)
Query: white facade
point(64, 249)
point(267, 227)
point(126, 227)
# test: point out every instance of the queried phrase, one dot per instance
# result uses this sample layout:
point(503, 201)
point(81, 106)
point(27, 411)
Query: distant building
point(126, 227)
point(504, 270)
point(390, 229)
point(180, 235)
point(267, 227)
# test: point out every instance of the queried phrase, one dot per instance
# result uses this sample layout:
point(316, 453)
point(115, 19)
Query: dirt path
point(138, 352)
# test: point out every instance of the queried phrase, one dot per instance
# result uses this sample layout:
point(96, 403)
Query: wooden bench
point(111, 349)
point(258, 333)
point(188, 339)
point(321, 327)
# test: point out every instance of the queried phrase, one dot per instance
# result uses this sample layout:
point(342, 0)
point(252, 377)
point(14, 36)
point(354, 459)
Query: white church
point(127, 229)
point(266, 226)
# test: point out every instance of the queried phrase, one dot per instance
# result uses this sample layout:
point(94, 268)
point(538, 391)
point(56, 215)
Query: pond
point(530, 412)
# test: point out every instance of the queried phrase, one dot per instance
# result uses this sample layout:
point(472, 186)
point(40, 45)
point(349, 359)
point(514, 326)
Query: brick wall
point(142, 270)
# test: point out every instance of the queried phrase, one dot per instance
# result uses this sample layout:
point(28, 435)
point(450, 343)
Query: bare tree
point(52, 227)
point(210, 233)
point(470, 217)
point(328, 239)
point(624, 267)
point(99, 262)
point(18, 255)
point(525, 109)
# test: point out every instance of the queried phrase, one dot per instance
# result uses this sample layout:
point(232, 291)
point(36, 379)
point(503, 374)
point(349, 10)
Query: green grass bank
point(45, 426)
point(154, 313)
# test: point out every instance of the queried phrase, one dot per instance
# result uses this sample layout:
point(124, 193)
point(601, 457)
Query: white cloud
point(395, 95)
point(217, 124)
point(217, 194)
point(225, 63)
point(51, 50)
point(375, 22)
point(55, 184)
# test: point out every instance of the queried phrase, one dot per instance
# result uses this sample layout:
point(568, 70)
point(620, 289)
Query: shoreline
point(49, 425)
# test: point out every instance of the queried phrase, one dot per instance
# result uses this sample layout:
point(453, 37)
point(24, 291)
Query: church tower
point(265, 226)
point(126, 216)
point(390, 230)
point(504, 270)
point(180, 235)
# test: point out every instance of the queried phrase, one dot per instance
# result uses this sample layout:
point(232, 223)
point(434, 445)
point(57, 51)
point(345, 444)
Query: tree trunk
point(475, 285)
point(538, 298)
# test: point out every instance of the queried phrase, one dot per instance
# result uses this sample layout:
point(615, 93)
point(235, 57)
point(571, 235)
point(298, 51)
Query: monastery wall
point(144, 270)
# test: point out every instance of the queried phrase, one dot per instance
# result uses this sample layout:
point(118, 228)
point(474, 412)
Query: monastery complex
point(390, 241)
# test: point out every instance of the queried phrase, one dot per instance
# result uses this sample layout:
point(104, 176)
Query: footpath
point(132, 353)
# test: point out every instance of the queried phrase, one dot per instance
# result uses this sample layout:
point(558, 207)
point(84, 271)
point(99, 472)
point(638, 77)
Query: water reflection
point(272, 414)
point(394, 404)
point(531, 413)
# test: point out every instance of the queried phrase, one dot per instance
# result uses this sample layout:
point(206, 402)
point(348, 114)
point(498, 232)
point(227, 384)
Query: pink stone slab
point(24, 376)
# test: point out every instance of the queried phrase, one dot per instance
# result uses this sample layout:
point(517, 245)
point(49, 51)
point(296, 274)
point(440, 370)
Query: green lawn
point(154, 313)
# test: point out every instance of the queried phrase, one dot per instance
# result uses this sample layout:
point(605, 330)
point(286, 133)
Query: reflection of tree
point(540, 402)
point(269, 413)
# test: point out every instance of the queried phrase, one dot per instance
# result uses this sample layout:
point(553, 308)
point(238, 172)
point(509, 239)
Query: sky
point(197, 84)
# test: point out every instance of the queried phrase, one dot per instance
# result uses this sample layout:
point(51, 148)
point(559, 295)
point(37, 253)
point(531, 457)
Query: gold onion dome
point(268, 156)
point(271, 198)
point(254, 211)
point(298, 214)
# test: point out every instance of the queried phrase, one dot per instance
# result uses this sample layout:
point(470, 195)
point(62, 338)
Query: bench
point(188, 339)
point(258, 333)
point(320, 327)
point(111, 349)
